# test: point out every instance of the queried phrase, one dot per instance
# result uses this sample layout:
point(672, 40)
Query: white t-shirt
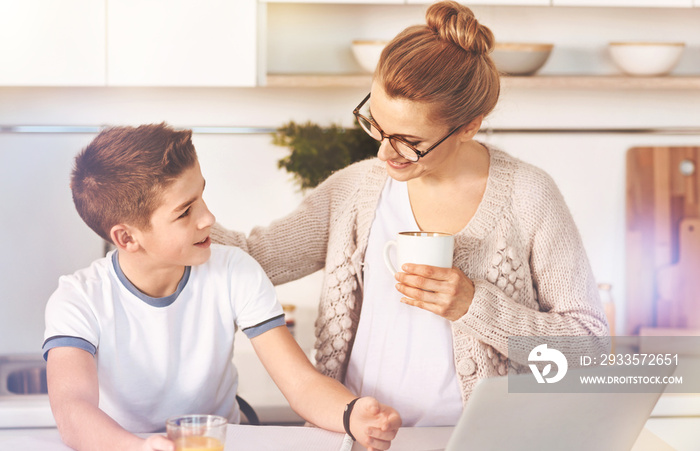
point(159, 357)
point(402, 354)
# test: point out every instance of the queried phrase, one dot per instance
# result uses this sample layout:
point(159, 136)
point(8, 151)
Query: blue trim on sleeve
point(258, 329)
point(60, 341)
point(153, 302)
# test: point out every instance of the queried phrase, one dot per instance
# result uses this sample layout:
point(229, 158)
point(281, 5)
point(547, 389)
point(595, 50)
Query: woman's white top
point(402, 354)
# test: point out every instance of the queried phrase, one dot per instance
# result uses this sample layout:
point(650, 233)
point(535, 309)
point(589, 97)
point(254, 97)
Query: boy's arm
point(71, 375)
point(319, 399)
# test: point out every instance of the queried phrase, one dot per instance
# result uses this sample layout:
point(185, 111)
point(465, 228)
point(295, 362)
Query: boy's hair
point(120, 176)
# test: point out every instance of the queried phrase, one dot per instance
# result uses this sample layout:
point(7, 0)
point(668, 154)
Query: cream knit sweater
point(521, 249)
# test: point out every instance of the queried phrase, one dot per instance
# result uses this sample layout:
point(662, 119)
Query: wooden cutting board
point(678, 284)
point(661, 250)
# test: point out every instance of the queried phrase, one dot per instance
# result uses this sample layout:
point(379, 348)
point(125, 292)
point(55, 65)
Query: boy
point(147, 332)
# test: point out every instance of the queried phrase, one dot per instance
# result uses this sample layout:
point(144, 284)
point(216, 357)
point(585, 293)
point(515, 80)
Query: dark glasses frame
point(393, 138)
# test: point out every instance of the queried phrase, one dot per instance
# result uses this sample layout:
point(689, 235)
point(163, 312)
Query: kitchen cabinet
point(635, 3)
point(50, 43)
point(182, 43)
point(128, 43)
point(380, 2)
point(514, 2)
point(494, 2)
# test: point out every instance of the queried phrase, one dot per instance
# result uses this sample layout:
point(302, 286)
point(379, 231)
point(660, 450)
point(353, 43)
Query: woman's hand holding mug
point(429, 281)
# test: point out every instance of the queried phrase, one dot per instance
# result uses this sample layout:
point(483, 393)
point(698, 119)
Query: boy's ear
point(123, 238)
point(471, 129)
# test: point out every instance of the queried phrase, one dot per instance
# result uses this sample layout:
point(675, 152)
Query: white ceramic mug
point(421, 248)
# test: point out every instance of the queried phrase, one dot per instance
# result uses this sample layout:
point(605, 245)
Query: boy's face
point(179, 233)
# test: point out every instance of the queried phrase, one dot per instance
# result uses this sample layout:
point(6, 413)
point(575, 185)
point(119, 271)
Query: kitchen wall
point(42, 237)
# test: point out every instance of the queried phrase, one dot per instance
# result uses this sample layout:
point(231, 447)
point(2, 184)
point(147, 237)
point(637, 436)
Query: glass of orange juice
point(197, 432)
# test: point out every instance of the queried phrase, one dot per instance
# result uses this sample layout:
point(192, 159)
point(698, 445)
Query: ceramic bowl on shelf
point(516, 58)
point(646, 58)
point(367, 53)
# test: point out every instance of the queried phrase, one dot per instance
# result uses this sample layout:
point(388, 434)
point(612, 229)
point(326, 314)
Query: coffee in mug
point(421, 248)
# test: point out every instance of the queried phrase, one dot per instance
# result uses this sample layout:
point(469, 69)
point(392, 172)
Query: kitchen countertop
point(27, 410)
point(675, 418)
point(295, 437)
point(680, 431)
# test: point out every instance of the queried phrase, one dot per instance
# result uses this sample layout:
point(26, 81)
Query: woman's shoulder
point(367, 172)
point(360, 169)
point(535, 197)
point(526, 179)
point(514, 164)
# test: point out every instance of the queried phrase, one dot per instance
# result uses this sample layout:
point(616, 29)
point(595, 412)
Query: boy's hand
point(373, 424)
point(157, 443)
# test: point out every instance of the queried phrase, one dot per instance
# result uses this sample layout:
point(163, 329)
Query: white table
point(276, 438)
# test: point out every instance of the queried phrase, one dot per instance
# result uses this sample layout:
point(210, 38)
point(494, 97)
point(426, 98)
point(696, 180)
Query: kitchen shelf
point(318, 81)
point(603, 82)
point(539, 81)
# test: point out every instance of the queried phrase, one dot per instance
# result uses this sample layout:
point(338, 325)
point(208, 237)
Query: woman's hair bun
point(456, 23)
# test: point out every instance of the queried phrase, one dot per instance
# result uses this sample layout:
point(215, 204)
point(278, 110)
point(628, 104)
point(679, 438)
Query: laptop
point(494, 419)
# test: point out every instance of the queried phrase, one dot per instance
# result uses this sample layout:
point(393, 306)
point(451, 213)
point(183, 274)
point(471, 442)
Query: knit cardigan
point(521, 249)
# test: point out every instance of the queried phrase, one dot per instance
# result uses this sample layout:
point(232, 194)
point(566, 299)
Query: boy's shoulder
point(230, 268)
point(85, 288)
point(98, 272)
point(221, 253)
point(228, 259)
point(225, 260)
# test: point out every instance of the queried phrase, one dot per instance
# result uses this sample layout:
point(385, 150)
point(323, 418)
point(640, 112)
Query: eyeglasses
point(400, 145)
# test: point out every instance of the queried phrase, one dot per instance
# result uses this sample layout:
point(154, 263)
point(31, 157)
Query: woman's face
point(410, 120)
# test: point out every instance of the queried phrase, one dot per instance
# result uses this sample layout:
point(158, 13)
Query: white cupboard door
point(640, 3)
point(492, 2)
point(515, 2)
point(182, 42)
point(52, 43)
point(381, 2)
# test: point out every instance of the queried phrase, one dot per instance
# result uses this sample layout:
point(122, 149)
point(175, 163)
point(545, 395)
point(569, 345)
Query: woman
point(420, 341)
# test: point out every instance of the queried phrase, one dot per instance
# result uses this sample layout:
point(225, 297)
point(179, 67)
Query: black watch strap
point(346, 418)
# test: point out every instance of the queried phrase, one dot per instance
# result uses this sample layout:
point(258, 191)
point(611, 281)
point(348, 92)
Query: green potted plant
point(316, 152)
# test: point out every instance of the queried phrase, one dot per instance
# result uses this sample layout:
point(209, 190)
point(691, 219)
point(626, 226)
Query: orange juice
point(198, 443)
